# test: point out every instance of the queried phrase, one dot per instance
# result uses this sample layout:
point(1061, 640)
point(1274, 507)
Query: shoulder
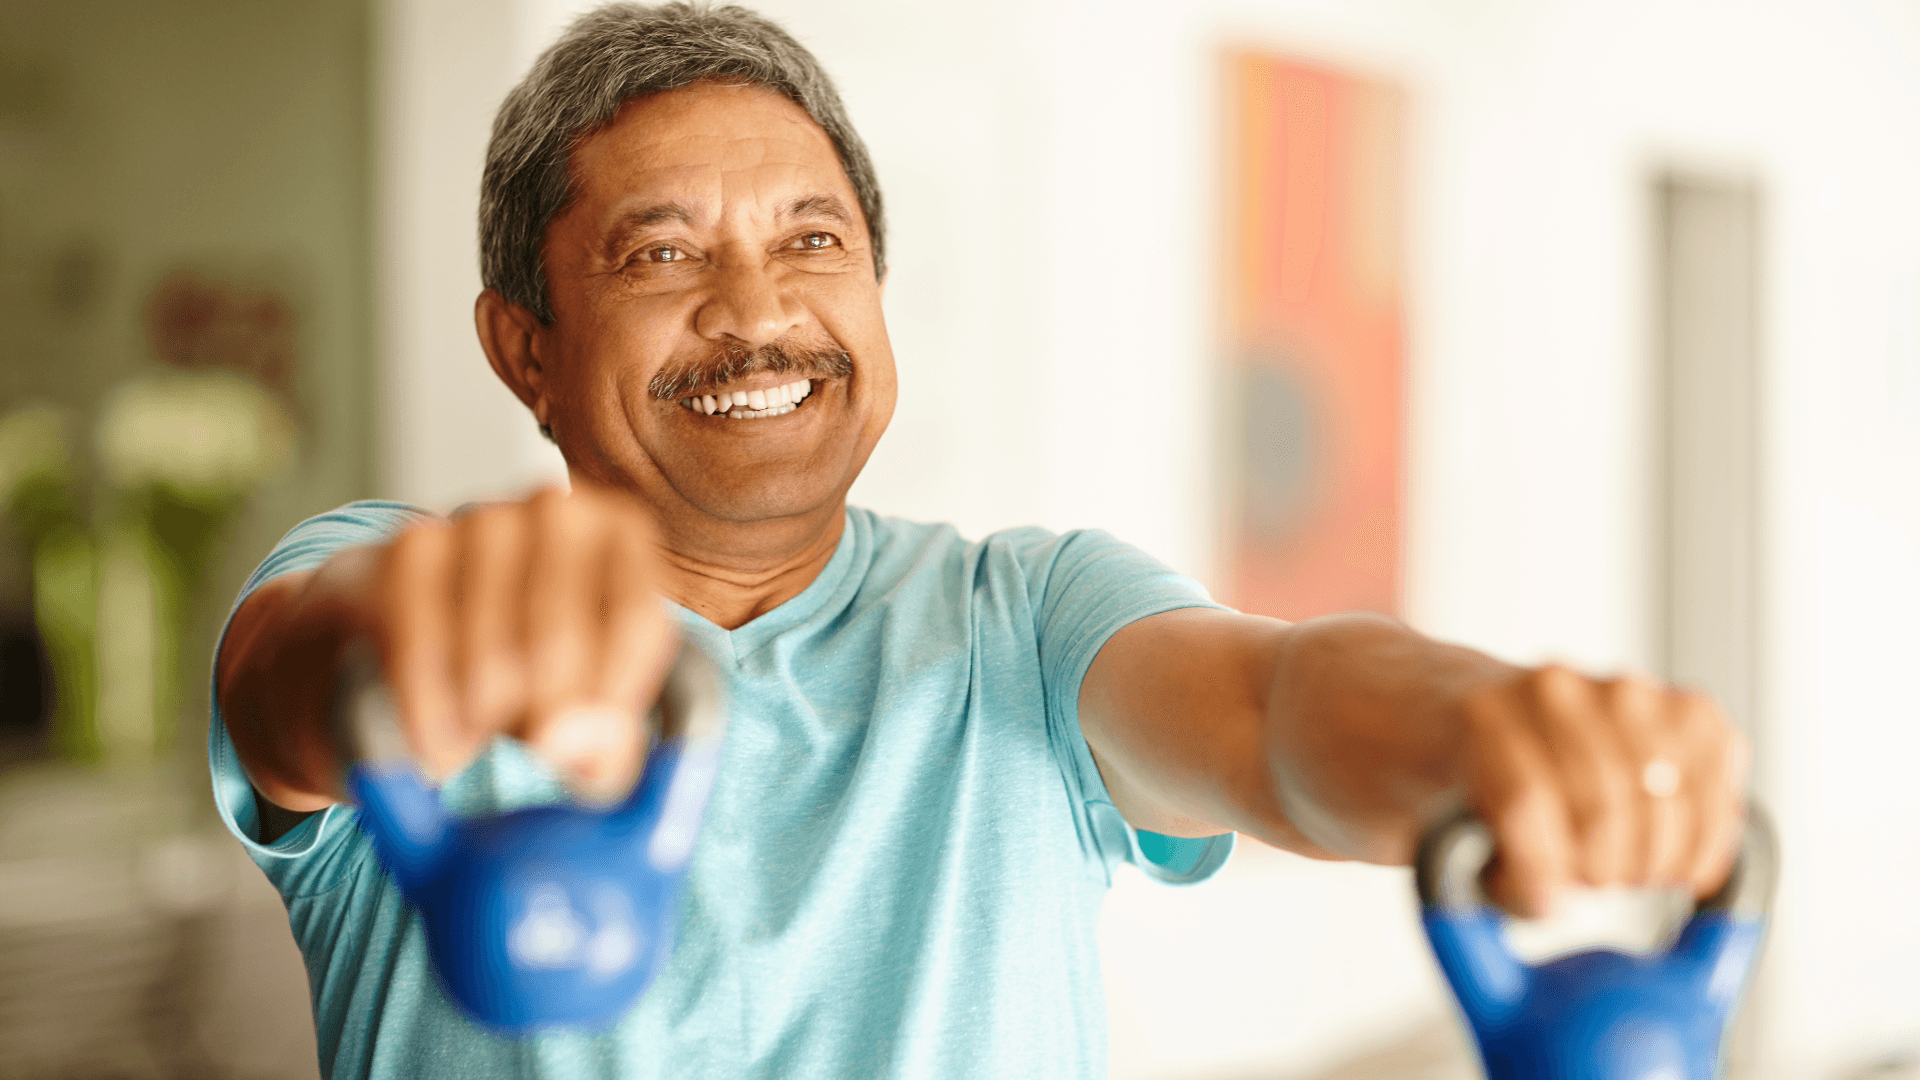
point(896, 561)
point(314, 540)
point(365, 519)
point(895, 548)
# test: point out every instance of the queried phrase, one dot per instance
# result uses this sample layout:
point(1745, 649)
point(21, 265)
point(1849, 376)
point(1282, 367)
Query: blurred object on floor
point(1438, 1051)
point(135, 940)
point(1901, 1066)
point(1280, 966)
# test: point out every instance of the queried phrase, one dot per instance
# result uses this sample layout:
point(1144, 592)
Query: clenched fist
point(1374, 732)
point(538, 619)
point(1602, 782)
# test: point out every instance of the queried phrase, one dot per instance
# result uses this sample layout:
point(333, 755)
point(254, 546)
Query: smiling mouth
point(751, 404)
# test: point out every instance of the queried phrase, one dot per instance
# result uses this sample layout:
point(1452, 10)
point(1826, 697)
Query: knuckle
point(1739, 751)
point(491, 523)
point(546, 511)
point(1617, 789)
point(416, 543)
point(1550, 677)
point(1697, 711)
point(1481, 710)
point(1525, 796)
point(1633, 693)
point(1559, 690)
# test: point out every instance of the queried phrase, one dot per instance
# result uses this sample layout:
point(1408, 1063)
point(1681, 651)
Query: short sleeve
point(1084, 586)
point(308, 858)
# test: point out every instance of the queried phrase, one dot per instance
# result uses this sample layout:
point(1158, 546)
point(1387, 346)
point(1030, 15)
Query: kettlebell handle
point(366, 727)
point(1455, 851)
point(545, 914)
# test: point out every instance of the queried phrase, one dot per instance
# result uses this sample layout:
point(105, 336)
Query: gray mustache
point(730, 361)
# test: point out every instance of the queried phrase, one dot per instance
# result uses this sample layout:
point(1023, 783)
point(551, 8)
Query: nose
point(748, 303)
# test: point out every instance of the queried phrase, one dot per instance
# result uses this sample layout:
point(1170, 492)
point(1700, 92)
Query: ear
point(511, 336)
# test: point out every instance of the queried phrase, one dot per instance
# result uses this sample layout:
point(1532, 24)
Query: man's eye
point(663, 254)
point(814, 241)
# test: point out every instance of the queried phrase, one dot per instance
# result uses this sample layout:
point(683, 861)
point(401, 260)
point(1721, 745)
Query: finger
point(1594, 775)
point(1718, 792)
point(1641, 720)
point(601, 749)
point(1514, 790)
point(595, 742)
point(640, 641)
point(489, 660)
point(561, 604)
point(416, 591)
point(597, 750)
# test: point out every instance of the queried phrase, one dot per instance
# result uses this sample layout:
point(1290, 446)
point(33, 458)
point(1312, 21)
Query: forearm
point(1364, 732)
point(276, 676)
point(1345, 736)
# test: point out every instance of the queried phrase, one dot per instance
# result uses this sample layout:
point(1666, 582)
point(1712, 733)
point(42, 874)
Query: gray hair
point(608, 57)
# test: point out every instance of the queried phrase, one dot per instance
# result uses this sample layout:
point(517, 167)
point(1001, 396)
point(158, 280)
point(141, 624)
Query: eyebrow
point(646, 218)
point(816, 206)
point(826, 206)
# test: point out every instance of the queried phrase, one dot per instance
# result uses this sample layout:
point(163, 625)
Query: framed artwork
point(1315, 333)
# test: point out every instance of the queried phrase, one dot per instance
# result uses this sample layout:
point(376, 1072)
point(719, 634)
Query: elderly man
point(941, 748)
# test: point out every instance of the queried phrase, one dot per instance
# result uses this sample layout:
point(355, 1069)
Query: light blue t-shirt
point(903, 859)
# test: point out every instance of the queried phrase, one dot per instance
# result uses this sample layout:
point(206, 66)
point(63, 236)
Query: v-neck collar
point(736, 645)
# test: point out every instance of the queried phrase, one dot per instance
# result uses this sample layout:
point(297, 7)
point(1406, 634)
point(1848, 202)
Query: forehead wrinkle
point(777, 191)
point(709, 177)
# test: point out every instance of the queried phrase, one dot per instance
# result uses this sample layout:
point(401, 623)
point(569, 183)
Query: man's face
point(714, 246)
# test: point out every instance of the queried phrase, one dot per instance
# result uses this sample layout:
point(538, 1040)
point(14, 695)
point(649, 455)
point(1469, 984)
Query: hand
point(1601, 782)
point(538, 619)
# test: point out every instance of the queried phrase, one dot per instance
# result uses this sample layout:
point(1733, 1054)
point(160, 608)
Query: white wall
point(451, 431)
point(1050, 168)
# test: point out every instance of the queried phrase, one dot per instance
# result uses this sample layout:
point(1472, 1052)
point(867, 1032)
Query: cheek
point(615, 356)
point(853, 317)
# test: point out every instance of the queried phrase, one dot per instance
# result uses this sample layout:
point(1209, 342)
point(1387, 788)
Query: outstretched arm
point(1345, 736)
point(537, 619)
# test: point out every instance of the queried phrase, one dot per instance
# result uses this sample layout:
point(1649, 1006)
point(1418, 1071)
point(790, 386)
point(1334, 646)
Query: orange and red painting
point(1316, 331)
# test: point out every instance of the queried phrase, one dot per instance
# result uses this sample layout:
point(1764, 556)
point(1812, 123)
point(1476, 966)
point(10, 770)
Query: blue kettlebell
point(549, 915)
point(1600, 1014)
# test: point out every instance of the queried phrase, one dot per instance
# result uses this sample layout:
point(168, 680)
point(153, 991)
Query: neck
point(732, 573)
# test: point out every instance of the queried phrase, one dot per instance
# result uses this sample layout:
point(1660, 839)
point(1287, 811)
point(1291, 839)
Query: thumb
point(596, 749)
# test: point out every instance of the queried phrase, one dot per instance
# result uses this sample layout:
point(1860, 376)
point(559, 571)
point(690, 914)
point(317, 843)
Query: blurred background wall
point(1054, 176)
point(184, 191)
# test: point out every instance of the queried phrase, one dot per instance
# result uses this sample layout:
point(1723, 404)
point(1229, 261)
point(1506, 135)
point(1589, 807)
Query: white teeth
point(745, 414)
point(752, 404)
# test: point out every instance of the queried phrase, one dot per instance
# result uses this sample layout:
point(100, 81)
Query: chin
point(764, 502)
